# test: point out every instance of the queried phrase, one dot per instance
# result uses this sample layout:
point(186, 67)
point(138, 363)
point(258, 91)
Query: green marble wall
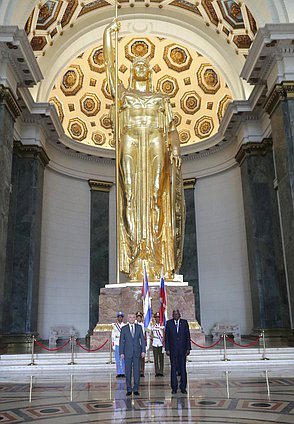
point(99, 248)
point(189, 268)
point(282, 121)
point(24, 241)
point(6, 147)
point(266, 267)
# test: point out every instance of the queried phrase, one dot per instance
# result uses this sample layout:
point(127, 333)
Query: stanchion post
point(267, 385)
point(110, 386)
point(227, 384)
point(264, 358)
point(31, 389)
point(33, 351)
point(72, 348)
point(225, 347)
point(71, 387)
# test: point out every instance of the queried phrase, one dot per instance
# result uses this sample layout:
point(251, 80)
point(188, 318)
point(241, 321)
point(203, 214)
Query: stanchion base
point(72, 363)
point(31, 364)
point(265, 359)
point(226, 359)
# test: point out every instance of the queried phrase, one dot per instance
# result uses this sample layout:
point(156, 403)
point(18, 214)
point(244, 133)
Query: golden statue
point(151, 200)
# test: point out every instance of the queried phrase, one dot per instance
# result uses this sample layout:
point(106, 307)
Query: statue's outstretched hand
point(115, 25)
point(176, 159)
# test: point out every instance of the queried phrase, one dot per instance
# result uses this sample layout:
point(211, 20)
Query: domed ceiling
point(199, 95)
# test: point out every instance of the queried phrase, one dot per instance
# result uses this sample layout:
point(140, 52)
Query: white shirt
point(157, 332)
point(115, 333)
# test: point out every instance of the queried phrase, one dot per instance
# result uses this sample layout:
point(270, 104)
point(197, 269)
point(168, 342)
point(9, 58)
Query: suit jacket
point(131, 346)
point(177, 342)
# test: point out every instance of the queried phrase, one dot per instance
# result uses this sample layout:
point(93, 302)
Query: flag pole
point(117, 152)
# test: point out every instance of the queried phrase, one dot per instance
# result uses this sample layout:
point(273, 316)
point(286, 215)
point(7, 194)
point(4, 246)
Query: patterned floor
point(101, 399)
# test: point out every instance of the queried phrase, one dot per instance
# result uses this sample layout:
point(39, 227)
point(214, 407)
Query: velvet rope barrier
point(92, 350)
point(207, 347)
point(52, 349)
point(248, 345)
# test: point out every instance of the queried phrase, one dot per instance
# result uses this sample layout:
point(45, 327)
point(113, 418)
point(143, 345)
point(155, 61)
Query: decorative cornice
point(189, 183)
point(98, 185)
point(280, 92)
point(31, 151)
point(8, 99)
point(253, 149)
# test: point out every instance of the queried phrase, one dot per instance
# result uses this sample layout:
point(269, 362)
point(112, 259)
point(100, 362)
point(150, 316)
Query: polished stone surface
point(23, 246)
point(266, 266)
point(99, 397)
point(6, 146)
point(189, 268)
point(282, 121)
point(99, 251)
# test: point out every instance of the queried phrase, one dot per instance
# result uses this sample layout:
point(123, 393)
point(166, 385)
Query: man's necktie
point(177, 325)
point(132, 330)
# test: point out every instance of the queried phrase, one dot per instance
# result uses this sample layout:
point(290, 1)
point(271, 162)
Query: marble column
point(266, 266)
point(99, 246)
point(189, 268)
point(280, 106)
point(24, 241)
point(9, 111)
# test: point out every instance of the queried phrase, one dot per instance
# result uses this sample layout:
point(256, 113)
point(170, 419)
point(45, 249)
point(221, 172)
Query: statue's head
point(141, 72)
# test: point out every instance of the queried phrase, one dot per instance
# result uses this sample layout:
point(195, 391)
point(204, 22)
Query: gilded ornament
point(210, 77)
point(151, 208)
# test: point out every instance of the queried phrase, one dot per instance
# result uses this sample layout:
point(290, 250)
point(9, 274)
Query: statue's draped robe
point(151, 205)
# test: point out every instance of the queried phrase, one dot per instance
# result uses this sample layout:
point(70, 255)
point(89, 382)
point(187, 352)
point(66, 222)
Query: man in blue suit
point(132, 349)
point(177, 347)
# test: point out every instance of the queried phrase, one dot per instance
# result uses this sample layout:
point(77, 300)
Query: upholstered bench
point(228, 328)
point(61, 332)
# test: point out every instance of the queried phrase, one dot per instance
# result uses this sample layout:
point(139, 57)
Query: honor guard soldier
point(115, 335)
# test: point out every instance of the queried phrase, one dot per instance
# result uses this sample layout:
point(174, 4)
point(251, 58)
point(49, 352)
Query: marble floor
point(98, 397)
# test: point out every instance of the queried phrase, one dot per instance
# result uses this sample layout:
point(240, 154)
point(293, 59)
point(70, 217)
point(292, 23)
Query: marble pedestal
point(127, 297)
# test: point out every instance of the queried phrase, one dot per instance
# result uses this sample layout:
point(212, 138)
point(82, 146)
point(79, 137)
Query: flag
point(146, 301)
point(162, 301)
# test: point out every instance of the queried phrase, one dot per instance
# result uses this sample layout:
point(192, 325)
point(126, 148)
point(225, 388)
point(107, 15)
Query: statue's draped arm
point(108, 53)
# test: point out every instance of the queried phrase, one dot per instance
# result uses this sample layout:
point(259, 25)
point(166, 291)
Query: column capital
point(189, 183)
point(280, 92)
point(7, 98)
point(98, 185)
point(31, 151)
point(253, 149)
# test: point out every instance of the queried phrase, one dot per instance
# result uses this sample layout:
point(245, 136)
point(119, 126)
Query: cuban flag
point(146, 300)
point(162, 301)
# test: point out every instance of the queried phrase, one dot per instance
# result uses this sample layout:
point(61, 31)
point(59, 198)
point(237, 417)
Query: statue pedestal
point(127, 297)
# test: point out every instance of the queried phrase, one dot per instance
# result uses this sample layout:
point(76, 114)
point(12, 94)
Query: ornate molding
point(253, 149)
point(280, 92)
point(98, 185)
point(31, 151)
point(189, 183)
point(8, 99)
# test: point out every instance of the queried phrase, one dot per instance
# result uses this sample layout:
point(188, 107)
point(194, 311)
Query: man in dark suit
point(177, 347)
point(132, 349)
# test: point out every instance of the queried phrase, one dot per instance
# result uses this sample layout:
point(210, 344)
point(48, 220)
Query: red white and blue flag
point(146, 301)
point(162, 301)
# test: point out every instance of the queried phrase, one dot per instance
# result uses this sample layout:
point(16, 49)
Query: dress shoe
point(129, 393)
point(174, 392)
point(184, 392)
point(122, 375)
point(136, 393)
point(142, 375)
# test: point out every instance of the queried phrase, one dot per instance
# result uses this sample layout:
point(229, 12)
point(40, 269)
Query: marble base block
point(127, 298)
